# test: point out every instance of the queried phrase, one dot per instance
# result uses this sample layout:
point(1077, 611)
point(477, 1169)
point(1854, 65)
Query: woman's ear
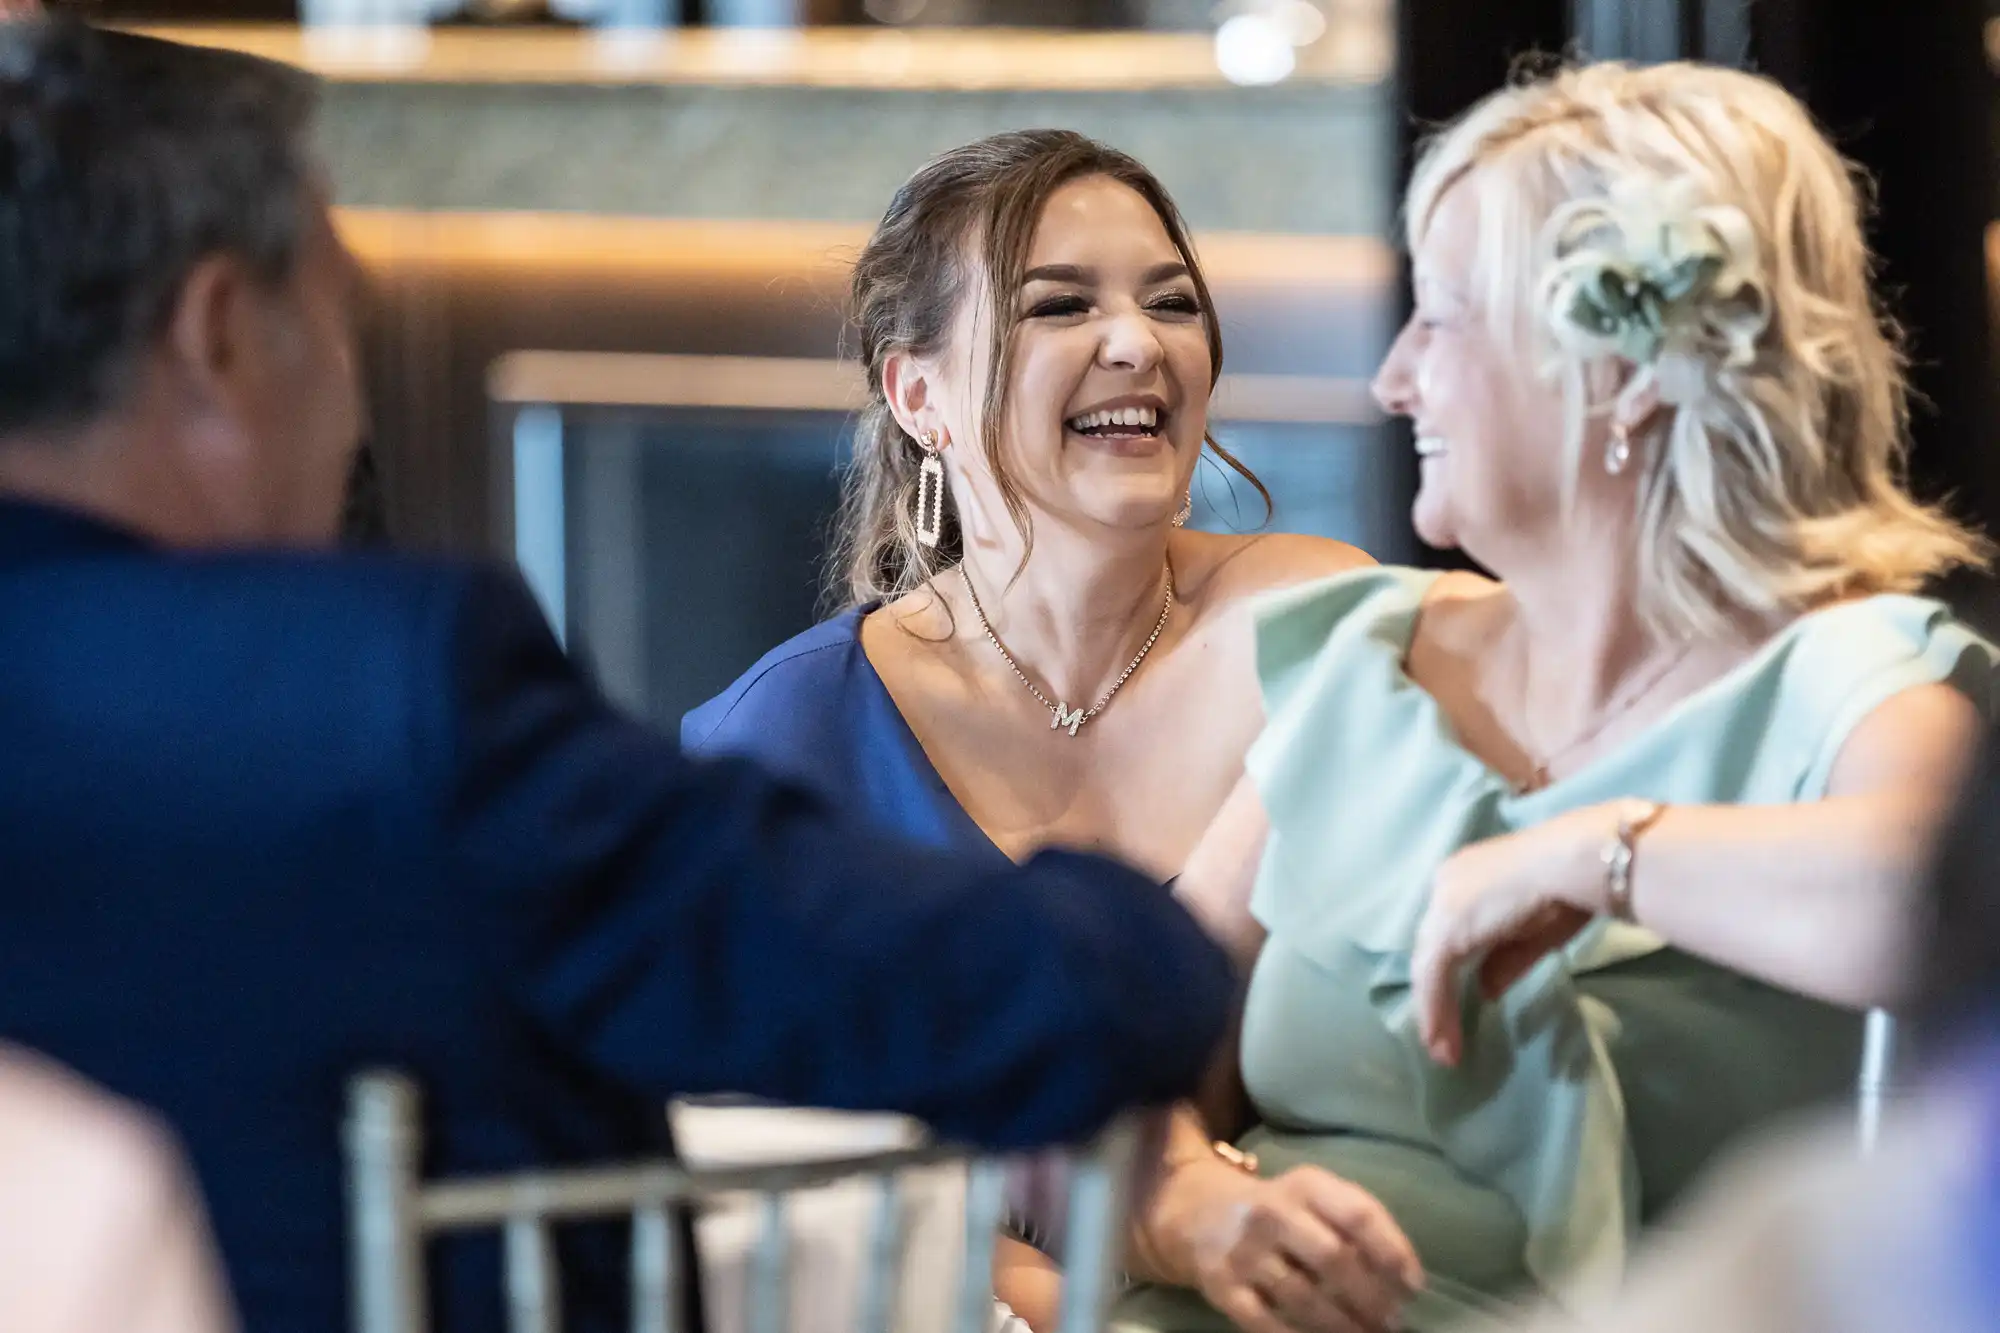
point(907, 385)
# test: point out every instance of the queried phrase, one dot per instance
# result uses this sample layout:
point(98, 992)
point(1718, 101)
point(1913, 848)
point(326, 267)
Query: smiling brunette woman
point(1035, 652)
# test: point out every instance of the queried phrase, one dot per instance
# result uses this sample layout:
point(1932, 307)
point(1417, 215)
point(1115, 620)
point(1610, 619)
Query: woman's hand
point(1503, 905)
point(1307, 1252)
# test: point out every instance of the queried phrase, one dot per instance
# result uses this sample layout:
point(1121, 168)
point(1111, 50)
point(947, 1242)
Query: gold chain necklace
point(1064, 715)
point(1539, 777)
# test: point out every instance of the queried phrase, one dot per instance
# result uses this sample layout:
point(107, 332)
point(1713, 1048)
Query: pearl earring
point(1618, 453)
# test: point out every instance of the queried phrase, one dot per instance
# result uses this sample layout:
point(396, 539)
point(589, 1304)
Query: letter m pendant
point(1067, 717)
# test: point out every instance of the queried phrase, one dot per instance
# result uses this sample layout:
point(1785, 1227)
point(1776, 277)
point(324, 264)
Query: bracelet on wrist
point(1618, 855)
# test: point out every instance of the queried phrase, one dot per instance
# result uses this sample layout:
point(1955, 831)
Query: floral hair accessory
point(1649, 275)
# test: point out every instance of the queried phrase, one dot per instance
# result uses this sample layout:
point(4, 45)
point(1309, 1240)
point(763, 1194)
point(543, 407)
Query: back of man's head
point(158, 205)
point(124, 160)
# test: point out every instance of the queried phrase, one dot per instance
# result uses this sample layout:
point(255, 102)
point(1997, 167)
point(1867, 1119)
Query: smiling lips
point(1432, 446)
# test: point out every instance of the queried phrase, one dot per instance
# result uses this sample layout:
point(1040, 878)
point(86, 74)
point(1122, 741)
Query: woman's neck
point(1578, 637)
point(1078, 611)
point(1578, 609)
point(1576, 641)
point(1576, 634)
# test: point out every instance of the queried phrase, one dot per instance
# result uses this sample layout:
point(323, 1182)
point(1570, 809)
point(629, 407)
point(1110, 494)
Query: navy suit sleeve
point(700, 927)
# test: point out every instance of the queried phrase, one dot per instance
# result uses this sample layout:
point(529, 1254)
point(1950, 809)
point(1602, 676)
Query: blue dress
point(814, 710)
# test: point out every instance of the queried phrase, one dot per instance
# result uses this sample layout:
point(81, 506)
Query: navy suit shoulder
point(235, 661)
point(219, 874)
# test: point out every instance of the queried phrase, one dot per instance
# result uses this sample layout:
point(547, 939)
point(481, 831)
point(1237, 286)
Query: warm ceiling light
point(1253, 49)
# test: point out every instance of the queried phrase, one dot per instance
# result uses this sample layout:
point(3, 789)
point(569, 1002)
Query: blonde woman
point(1547, 882)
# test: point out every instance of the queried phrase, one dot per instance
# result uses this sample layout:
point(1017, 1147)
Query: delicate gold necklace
point(1064, 715)
point(1625, 702)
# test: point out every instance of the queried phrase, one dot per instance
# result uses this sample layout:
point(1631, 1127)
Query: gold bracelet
point(1235, 1156)
point(1146, 1245)
point(1636, 818)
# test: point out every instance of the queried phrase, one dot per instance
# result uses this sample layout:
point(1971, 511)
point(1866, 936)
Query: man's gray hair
point(124, 161)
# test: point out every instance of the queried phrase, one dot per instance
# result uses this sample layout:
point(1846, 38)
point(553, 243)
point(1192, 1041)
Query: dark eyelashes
point(1056, 307)
point(1061, 305)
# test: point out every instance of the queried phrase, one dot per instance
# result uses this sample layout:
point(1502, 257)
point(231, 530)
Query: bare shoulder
point(1461, 612)
point(1221, 569)
point(1923, 739)
point(917, 620)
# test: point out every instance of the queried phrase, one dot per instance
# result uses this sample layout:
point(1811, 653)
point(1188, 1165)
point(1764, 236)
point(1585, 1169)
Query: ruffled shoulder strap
point(1359, 775)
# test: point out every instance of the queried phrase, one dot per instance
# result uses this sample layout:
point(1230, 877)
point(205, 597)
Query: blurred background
point(607, 244)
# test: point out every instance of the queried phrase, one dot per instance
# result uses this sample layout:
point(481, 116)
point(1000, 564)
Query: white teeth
point(1431, 446)
point(1146, 417)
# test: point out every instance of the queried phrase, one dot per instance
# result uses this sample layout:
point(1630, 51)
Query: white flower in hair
point(1651, 275)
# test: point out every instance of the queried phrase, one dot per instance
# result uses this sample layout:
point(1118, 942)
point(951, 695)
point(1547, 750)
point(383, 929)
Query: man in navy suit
point(270, 814)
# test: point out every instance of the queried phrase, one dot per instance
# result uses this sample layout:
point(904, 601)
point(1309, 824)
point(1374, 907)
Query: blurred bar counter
point(821, 125)
point(647, 220)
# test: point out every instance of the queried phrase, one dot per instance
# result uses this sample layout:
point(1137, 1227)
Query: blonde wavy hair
point(1688, 228)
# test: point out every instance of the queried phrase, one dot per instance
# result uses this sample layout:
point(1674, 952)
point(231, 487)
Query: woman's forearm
point(1819, 897)
point(1823, 896)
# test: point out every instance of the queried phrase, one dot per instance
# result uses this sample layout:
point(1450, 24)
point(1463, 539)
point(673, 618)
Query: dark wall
point(1906, 90)
point(1450, 54)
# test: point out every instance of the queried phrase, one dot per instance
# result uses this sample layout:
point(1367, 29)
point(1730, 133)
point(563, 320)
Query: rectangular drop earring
point(930, 490)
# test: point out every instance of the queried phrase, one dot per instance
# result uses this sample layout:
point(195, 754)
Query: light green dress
point(1597, 1087)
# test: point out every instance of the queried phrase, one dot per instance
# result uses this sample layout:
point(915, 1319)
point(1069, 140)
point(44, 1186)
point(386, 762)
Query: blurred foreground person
point(1804, 1235)
point(1808, 1235)
point(100, 1228)
point(270, 814)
